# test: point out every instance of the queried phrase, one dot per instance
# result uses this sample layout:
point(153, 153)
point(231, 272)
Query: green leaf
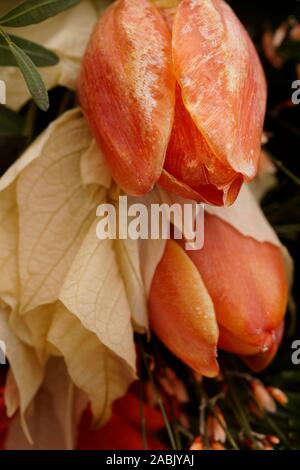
point(11, 123)
point(35, 11)
point(31, 76)
point(40, 56)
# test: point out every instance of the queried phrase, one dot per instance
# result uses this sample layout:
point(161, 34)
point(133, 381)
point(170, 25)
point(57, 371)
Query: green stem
point(277, 431)
point(185, 432)
point(158, 397)
point(225, 429)
point(175, 428)
point(238, 409)
point(202, 409)
point(285, 170)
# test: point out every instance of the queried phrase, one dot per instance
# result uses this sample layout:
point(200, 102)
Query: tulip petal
point(172, 184)
point(126, 89)
point(246, 280)
point(190, 160)
point(242, 345)
point(260, 361)
point(182, 313)
point(222, 81)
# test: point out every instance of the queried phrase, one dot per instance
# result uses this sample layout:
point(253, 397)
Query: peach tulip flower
point(176, 99)
point(231, 294)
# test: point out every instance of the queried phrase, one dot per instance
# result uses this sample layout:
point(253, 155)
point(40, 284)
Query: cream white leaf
point(93, 367)
point(128, 256)
point(38, 323)
point(12, 395)
point(53, 191)
point(8, 246)
point(24, 364)
point(55, 210)
point(93, 167)
point(246, 216)
point(36, 149)
point(53, 416)
point(94, 291)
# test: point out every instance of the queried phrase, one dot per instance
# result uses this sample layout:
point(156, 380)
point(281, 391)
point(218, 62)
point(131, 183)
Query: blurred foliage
point(247, 424)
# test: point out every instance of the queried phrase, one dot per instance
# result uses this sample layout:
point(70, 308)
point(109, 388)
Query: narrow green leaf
point(35, 11)
point(11, 123)
point(31, 76)
point(40, 56)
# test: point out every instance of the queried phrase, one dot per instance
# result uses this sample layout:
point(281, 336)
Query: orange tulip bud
point(176, 96)
point(246, 280)
point(181, 311)
point(247, 283)
point(260, 361)
point(126, 89)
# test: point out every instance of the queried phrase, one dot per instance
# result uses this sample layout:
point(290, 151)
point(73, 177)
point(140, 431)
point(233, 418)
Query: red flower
point(123, 431)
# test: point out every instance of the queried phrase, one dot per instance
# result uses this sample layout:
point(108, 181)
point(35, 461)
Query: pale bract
point(62, 291)
point(65, 34)
point(54, 414)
